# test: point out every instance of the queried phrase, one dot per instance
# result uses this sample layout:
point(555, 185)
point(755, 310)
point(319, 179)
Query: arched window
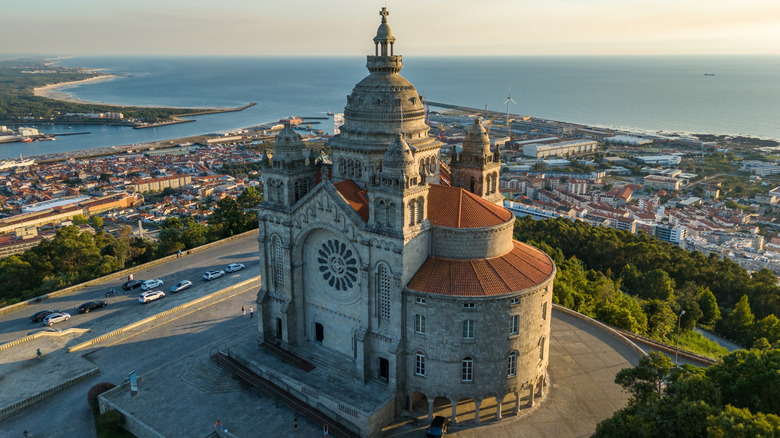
point(358, 169)
point(278, 262)
point(279, 191)
point(419, 364)
point(350, 168)
point(412, 212)
point(297, 191)
point(420, 209)
point(495, 182)
point(342, 167)
point(471, 185)
point(269, 190)
point(488, 181)
point(380, 213)
point(383, 283)
point(467, 370)
point(305, 188)
point(511, 364)
point(391, 214)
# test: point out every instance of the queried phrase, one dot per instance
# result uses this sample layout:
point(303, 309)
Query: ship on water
point(21, 162)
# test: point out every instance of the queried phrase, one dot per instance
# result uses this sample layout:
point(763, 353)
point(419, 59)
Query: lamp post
point(677, 343)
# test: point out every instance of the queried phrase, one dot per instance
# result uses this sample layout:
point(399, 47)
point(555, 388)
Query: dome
point(398, 163)
point(288, 145)
point(476, 142)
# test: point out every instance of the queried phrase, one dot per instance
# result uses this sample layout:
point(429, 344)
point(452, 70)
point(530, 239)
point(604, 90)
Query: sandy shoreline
point(53, 91)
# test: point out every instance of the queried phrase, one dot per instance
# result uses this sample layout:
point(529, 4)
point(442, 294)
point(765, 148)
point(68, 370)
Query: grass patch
point(696, 342)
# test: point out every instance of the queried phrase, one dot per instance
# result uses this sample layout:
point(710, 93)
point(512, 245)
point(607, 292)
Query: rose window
point(338, 265)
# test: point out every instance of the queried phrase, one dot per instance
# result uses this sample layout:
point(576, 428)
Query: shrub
point(95, 391)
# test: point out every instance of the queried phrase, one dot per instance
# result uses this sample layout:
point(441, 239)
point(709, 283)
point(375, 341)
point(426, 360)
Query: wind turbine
point(506, 102)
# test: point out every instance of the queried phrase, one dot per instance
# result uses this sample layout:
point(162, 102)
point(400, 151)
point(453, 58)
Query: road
point(15, 325)
point(66, 414)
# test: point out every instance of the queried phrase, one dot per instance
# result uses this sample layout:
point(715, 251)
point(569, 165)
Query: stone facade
point(379, 267)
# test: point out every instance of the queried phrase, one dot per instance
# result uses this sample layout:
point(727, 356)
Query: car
point(438, 427)
point(234, 267)
point(132, 284)
point(55, 318)
point(91, 305)
point(151, 296)
point(39, 316)
point(180, 286)
point(210, 275)
point(151, 284)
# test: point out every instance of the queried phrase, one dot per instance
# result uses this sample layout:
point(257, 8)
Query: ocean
point(668, 94)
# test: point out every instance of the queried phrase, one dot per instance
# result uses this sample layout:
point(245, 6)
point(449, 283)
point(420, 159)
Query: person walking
point(251, 312)
point(295, 424)
point(325, 430)
point(38, 354)
point(243, 311)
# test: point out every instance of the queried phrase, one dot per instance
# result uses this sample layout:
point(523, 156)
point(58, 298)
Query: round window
point(338, 265)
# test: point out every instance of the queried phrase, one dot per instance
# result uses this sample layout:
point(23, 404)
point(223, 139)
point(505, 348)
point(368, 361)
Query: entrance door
point(384, 369)
point(319, 332)
point(279, 328)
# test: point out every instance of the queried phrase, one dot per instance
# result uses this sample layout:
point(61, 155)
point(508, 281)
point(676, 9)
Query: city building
point(411, 289)
point(562, 149)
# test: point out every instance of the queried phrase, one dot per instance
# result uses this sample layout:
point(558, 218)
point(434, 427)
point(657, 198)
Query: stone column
point(531, 397)
point(430, 409)
point(499, 400)
point(517, 403)
point(454, 404)
point(476, 410)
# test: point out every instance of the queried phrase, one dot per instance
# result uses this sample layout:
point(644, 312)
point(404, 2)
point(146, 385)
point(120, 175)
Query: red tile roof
point(521, 268)
point(456, 208)
point(355, 197)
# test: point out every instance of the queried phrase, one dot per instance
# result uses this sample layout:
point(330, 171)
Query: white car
point(151, 284)
point(180, 286)
point(55, 318)
point(210, 275)
point(151, 296)
point(234, 267)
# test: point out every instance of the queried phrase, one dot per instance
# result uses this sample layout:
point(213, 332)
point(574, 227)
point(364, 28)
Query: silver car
point(151, 296)
point(180, 286)
point(55, 318)
point(151, 284)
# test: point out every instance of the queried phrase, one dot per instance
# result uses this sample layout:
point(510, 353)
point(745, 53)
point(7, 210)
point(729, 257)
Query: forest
point(73, 256)
point(639, 283)
point(734, 398)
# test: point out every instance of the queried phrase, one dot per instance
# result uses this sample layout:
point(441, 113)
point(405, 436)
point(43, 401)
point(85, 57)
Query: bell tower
point(476, 168)
point(288, 177)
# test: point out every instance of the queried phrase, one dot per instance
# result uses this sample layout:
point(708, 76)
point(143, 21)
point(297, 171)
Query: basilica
point(396, 271)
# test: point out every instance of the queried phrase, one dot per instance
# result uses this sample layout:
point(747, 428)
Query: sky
point(429, 27)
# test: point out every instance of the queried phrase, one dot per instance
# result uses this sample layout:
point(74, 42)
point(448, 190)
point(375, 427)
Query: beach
point(53, 91)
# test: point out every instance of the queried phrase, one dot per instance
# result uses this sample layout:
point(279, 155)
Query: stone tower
point(288, 177)
point(476, 168)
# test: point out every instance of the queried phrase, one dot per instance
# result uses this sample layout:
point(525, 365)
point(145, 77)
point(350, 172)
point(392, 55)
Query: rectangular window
point(544, 311)
point(467, 374)
point(514, 301)
point(514, 325)
point(419, 324)
point(420, 300)
point(468, 329)
point(511, 365)
point(419, 364)
point(468, 305)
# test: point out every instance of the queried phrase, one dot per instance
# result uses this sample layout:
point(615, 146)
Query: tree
point(79, 219)
point(661, 320)
point(656, 285)
point(646, 380)
point(749, 379)
point(96, 222)
point(740, 423)
point(709, 306)
point(739, 323)
point(250, 198)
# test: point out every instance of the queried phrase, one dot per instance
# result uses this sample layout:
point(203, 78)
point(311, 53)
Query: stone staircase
point(328, 359)
point(336, 430)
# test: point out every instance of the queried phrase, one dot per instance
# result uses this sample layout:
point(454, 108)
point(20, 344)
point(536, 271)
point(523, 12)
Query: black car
point(38, 317)
point(132, 284)
point(91, 305)
point(438, 427)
